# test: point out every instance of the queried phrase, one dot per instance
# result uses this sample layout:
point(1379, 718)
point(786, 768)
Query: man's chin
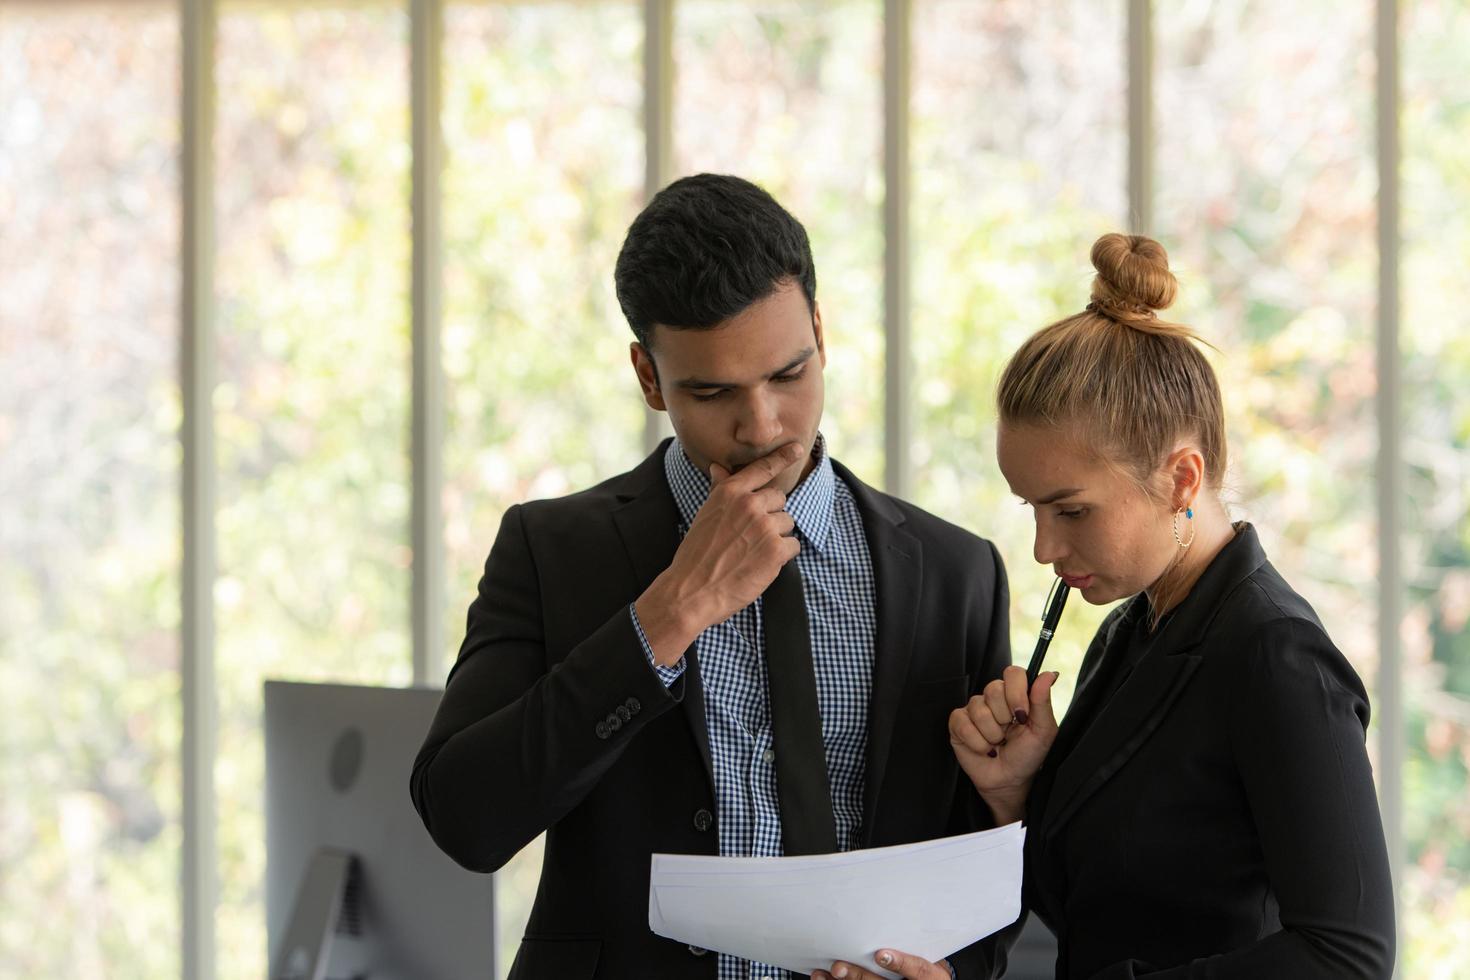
point(790, 478)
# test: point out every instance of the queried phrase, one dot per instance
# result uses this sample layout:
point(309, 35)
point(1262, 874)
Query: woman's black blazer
point(1216, 816)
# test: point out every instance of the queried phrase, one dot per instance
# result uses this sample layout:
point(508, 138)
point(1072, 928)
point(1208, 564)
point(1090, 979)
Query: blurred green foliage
point(311, 411)
point(542, 119)
point(1435, 346)
point(90, 714)
point(1265, 198)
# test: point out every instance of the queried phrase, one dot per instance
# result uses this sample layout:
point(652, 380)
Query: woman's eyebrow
point(1052, 498)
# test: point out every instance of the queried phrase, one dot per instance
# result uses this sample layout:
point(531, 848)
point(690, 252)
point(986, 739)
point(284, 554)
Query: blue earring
point(1189, 513)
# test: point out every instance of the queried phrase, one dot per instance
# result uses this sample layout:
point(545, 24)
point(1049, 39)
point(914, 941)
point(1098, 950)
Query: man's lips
point(734, 467)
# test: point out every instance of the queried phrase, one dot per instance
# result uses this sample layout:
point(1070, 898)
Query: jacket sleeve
point(1297, 727)
point(991, 649)
point(517, 742)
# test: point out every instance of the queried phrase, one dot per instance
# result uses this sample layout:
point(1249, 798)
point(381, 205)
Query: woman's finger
point(995, 700)
point(983, 720)
point(1043, 719)
point(962, 732)
point(1017, 701)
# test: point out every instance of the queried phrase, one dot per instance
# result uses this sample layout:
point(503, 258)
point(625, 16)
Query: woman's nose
point(1049, 548)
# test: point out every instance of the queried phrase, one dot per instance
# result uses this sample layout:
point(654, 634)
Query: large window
point(1018, 143)
point(788, 94)
point(542, 109)
point(311, 410)
point(89, 500)
point(1266, 199)
point(1436, 447)
point(1024, 139)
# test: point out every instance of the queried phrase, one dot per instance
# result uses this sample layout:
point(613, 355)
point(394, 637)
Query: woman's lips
point(1078, 582)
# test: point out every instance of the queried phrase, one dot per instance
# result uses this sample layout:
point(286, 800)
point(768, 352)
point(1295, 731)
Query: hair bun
point(1133, 278)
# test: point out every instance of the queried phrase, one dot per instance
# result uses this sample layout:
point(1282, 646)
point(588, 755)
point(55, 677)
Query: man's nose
point(759, 423)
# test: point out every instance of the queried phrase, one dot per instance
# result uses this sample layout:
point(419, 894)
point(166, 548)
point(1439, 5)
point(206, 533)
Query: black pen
point(1054, 604)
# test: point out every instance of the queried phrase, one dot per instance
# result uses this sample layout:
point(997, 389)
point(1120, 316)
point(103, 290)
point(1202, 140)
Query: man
point(737, 647)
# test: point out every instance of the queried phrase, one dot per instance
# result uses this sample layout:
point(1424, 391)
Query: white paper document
point(801, 913)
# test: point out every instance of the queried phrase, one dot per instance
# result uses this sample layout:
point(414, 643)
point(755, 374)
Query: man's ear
point(647, 373)
point(817, 330)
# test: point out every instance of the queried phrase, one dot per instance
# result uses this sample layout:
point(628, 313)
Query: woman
point(1207, 807)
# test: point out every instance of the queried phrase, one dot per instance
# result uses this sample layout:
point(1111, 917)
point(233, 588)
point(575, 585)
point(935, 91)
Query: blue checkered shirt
point(837, 581)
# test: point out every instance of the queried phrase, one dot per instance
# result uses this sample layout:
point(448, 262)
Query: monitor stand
point(327, 904)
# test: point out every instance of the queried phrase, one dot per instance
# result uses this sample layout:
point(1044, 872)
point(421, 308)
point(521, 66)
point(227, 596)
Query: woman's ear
point(1186, 469)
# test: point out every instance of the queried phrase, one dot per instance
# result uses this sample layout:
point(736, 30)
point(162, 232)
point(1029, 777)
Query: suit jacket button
point(703, 819)
point(602, 730)
point(622, 712)
point(632, 705)
point(697, 950)
point(613, 722)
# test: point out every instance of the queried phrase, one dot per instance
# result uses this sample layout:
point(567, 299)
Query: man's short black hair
point(705, 248)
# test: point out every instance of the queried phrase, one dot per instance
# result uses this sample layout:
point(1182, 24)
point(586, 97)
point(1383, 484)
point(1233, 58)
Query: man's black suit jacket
point(1216, 817)
point(552, 719)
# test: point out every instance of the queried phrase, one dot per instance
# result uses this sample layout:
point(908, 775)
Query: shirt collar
point(810, 504)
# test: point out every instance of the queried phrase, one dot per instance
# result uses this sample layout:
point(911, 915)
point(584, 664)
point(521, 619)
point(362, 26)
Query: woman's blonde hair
point(1131, 385)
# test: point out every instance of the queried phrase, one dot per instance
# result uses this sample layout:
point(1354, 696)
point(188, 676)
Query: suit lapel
point(648, 523)
point(898, 581)
point(1086, 701)
point(1125, 722)
point(1122, 726)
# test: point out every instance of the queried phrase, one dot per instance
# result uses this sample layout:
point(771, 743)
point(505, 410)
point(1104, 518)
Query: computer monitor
point(355, 887)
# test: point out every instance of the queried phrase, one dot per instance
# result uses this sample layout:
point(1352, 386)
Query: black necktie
point(807, 824)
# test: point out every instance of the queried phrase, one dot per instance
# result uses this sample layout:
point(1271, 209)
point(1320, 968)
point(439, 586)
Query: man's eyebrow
point(787, 368)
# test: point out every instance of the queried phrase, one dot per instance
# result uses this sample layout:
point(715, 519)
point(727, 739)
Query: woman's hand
point(1001, 738)
point(909, 967)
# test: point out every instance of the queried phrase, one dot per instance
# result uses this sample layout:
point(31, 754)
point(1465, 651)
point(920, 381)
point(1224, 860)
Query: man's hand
point(738, 542)
point(1001, 738)
point(907, 966)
